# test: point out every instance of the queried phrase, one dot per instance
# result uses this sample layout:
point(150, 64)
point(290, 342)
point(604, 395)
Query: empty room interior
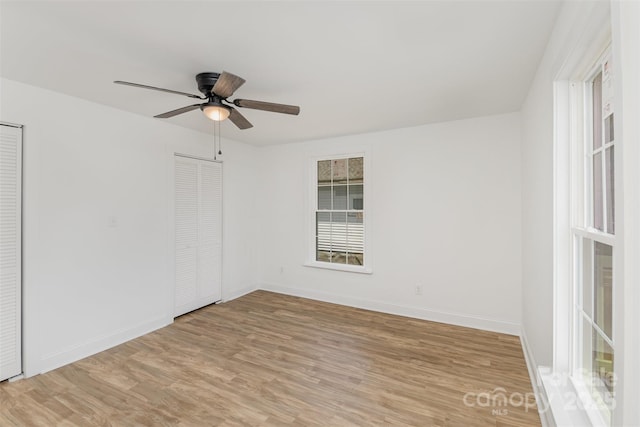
point(320, 213)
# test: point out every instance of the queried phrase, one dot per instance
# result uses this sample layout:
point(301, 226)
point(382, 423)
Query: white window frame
point(581, 220)
point(313, 205)
point(569, 401)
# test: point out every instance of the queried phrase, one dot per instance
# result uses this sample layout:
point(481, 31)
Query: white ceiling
point(352, 66)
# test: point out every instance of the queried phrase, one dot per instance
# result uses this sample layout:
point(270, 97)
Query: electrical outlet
point(418, 289)
point(281, 269)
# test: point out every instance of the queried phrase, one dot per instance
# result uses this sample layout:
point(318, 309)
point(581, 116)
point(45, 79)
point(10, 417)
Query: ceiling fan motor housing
point(206, 81)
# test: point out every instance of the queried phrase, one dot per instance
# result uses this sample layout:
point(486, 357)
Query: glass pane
point(586, 358)
point(324, 198)
point(356, 197)
point(598, 221)
point(597, 111)
point(340, 197)
point(355, 259)
point(602, 365)
point(324, 172)
point(323, 256)
point(339, 217)
point(339, 257)
point(339, 171)
point(577, 270)
point(355, 234)
point(355, 217)
point(339, 237)
point(608, 128)
point(322, 219)
point(587, 276)
point(356, 170)
point(609, 176)
point(323, 236)
point(603, 281)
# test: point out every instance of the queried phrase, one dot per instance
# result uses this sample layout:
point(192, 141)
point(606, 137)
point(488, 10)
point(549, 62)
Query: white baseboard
point(458, 319)
point(98, 344)
point(239, 293)
point(546, 417)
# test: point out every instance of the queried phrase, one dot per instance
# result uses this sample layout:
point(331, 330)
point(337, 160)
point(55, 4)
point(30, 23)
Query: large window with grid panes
point(593, 233)
point(339, 212)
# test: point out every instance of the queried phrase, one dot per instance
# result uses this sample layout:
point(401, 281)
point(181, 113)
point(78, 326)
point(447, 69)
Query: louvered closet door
point(186, 201)
point(10, 251)
point(198, 228)
point(210, 232)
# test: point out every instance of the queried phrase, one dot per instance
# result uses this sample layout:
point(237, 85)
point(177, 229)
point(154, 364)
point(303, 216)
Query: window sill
point(565, 399)
point(339, 267)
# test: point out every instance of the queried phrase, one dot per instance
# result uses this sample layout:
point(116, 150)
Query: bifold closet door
point(10, 251)
point(198, 228)
point(210, 232)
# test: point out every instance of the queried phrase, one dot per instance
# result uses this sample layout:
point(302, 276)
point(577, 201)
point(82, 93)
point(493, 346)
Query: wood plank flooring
point(272, 360)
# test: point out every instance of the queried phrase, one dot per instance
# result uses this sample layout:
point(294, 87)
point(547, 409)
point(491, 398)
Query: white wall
point(240, 273)
point(537, 215)
point(445, 214)
point(571, 35)
point(96, 222)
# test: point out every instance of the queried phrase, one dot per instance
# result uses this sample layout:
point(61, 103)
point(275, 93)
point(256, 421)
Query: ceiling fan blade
point(190, 95)
point(178, 111)
point(239, 120)
point(226, 84)
point(268, 106)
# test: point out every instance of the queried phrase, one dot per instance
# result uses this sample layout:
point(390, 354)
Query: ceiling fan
point(217, 88)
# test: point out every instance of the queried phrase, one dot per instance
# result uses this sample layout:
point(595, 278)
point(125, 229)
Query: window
point(593, 233)
point(339, 213)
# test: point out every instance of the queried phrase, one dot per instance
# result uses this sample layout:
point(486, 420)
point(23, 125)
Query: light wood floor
point(272, 360)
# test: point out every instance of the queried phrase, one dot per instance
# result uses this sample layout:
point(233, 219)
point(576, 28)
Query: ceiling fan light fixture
point(216, 112)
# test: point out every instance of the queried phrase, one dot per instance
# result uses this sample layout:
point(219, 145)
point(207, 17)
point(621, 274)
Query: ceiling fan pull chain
point(219, 140)
point(216, 131)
